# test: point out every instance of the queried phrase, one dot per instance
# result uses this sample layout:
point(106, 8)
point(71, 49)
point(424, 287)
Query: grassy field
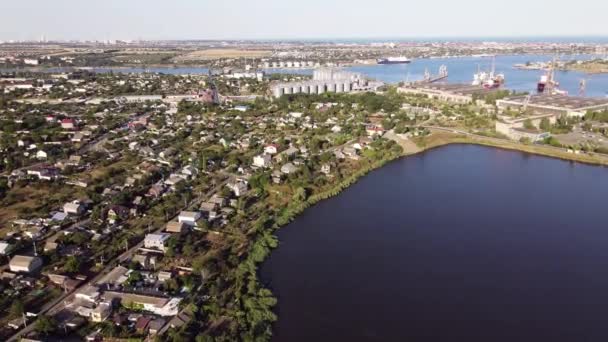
point(444, 138)
point(210, 54)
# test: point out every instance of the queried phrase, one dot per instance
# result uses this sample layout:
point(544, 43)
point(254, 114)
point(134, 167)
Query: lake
point(460, 243)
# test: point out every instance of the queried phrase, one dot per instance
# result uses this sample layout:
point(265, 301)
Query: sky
point(286, 19)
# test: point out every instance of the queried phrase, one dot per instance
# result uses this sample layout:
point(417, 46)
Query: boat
point(542, 84)
point(393, 60)
point(488, 80)
point(547, 82)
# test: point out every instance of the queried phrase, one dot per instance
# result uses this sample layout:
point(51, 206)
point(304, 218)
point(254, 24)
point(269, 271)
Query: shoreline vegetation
point(596, 66)
point(269, 240)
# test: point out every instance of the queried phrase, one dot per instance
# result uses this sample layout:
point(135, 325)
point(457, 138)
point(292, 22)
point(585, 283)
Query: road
point(60, 303)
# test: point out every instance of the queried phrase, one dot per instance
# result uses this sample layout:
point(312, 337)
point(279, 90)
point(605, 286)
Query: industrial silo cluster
point(324, 80)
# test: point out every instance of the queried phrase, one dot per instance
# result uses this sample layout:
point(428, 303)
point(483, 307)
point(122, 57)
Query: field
point(210, 54)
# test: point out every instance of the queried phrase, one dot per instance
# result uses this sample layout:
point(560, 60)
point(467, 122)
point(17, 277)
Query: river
point(461, 70)
point(460, 243)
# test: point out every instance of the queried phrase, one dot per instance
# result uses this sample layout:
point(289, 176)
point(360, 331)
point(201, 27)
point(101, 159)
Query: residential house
point(288, 168)
point(141, 326)
point(101, 312)
point(142, 259)
point(156, 241)
point(74, 161)
point(156, 325)
point(208, 207)
point(164, 276)
point(156, 191)
point(263, 160)
point(161, 306)
point(41, 155)
point(374, 130)
point(25, 264)
point(189, 218)
point(238, 187)
point(68, 124)
point(175, 227)
point(77, 138)
point(285, 155)
point(350, 152)
point(271, 149)
point(117, 213)
point(326, 169)
point(44, 173)
point(74, 208)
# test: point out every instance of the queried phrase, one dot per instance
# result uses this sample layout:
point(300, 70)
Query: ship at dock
point(547, 84)
point(394, 60)
point(488, 79)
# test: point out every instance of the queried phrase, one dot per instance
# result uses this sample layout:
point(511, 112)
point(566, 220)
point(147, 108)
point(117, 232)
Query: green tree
point(72, 265)
point(545, 125)
point(17, 308)
point(528, 124)
point(45, 325)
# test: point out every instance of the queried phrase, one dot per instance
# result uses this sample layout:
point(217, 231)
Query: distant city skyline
point(314, 19)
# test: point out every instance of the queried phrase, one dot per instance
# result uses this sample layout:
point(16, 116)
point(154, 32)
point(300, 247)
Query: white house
point(189, 218)
point(41, 155)
point(24, 264)
point(156, 241)
point(73, 208)
point(271, 149)
point(101, 312)
point(263, 160)
point(239, 188)
point(31, 61)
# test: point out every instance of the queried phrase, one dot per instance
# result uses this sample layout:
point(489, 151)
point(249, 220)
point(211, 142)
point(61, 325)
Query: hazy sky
point(225, 19)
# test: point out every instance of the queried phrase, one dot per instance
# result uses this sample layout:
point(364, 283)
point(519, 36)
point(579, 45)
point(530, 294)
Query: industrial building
point(456, 93)
point(554, 104)
point(514, 128)
point(327, 80)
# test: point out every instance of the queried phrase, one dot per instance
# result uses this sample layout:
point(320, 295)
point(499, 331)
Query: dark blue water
point(462, 243)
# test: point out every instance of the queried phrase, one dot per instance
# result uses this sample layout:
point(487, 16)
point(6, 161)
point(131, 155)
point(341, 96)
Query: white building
point(156, 241)
point(189, 218)
point(271, 149)
point(24, 264)
point(239, 188)
point(31, 61)
point(157, 305)
point(41, 155)
point(101, 312)
point(73, 208)
point(263, 160)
